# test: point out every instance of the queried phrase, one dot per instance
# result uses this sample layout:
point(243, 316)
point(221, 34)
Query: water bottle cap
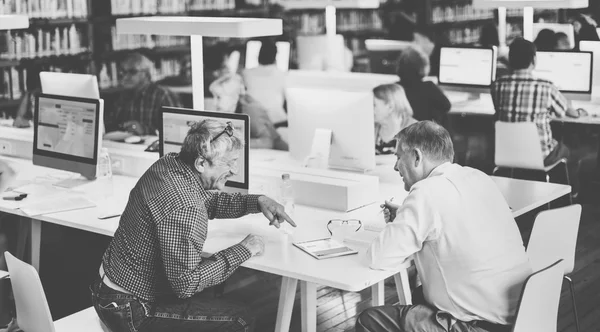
point(285, 176)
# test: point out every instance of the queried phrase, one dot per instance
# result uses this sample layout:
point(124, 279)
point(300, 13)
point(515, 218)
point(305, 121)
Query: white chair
point(553, 237)
point(538, 305)
point(518, 146)
point(33, 313)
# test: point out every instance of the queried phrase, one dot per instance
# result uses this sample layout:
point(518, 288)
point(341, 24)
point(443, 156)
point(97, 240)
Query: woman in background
point(428, 102)
point(27, 105)
point(392, 114)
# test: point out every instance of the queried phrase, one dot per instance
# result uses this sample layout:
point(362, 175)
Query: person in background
point(562, 41)
point(458, 228)
point(431, 43)
point(138, 108)
point(545, 40)
point(27, 105)
point(428, 102)
point(153, 276)
point(216, 66)
point(585, 29)
point(523, 97)
point(489, 36)
point(392, 114)
point(266, 84)
point(230, 97)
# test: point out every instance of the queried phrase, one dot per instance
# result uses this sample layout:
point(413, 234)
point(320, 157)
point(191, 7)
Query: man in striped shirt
point(523, 97)
point(154, 276)
point(138, 108)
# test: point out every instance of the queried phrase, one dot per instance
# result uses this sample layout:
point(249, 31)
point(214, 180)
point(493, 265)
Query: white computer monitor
point(337, 80)
point(282, 59)
point(321, 52)
point(175, 124)
point(467, 69)
point(66, 134)
point(556, 27)
point(594, 47)
point(384, 54)
point(570, 71)
point(348, 114)
point(69, 84)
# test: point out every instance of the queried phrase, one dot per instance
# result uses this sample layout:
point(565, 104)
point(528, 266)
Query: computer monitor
point(69, 84)
point(384, 54)
point(349, 116)
point(321, 52)
point(556, 27)
point(174, 128)
point(337, 80)
point(282, 59)
point(66, 135)
point(570, 71)
point(467, 69)
point(594, 47)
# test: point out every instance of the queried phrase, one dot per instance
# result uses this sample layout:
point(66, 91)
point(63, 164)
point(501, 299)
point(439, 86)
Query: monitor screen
point(66, 134)
point(467, 66)
point(176, 123)
point(594, 47)
point(282, 59)
point(348, 114)
point(570, 71)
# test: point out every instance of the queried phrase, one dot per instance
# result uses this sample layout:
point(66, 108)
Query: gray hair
point(140, 62)
point(197, 142)
point(429, 137)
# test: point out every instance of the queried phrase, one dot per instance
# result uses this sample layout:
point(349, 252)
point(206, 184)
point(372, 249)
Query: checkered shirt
point(142, 105)
point(521, 97)
point(156, 249)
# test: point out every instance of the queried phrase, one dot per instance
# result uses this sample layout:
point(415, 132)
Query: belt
point(492, 327)
point(109, 283)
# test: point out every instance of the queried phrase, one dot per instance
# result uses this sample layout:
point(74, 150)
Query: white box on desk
point(16, 142)
point(335, 190)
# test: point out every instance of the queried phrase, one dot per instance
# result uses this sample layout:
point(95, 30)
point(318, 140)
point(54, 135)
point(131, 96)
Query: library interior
point(299, 165)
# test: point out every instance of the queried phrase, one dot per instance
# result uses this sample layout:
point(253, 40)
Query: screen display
point(569, 71)
point(67, 127)
point(282, 58)
point(176, 126)
point(467, 66)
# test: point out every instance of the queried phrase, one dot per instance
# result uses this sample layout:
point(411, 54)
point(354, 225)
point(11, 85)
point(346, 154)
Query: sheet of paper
point(60, 203)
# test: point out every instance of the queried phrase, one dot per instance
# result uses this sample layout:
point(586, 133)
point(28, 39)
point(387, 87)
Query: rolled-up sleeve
point(181, 237)
point(403, 237)
point(225, 205)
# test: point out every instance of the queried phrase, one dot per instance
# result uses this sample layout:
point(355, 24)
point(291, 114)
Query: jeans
point(122, 312)
point(562, 151)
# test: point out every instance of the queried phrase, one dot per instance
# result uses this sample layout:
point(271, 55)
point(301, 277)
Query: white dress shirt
point(266, 84)
point(466, 245)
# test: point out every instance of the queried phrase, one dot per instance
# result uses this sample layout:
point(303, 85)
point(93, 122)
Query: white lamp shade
point(239, 27)
point(547, 4)
point(11, 22)
point(320, 4)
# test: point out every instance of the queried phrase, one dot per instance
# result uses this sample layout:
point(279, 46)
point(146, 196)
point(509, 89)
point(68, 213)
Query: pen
point(15, 198)
point(382, 206)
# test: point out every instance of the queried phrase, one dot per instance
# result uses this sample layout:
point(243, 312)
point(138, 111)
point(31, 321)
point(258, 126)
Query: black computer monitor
point(66, 134)
point(176, 122)
point(570, 71)
point(467, 69)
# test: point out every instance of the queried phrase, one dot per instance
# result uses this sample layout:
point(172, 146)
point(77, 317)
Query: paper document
point(60, 203)
point(325, 248)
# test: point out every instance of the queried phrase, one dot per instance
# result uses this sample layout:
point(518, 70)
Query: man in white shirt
point(266, 83)
point(460, 231)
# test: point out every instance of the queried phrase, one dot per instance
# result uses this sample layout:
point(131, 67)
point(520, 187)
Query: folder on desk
point(325, 248)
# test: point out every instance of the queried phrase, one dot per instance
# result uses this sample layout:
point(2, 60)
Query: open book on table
point(325, 248)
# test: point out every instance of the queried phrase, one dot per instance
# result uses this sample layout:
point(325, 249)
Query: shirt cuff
point(252, 204)
point(236, 255)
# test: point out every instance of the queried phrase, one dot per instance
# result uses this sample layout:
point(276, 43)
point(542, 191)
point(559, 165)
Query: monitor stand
point(318, 156)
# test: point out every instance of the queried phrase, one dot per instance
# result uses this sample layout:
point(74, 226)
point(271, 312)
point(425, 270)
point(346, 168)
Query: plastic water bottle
point(104, 165)
point(287, 200)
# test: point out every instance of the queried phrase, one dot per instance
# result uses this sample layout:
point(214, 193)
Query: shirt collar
point(440, 169)
point(522, 72)
point(188, 170)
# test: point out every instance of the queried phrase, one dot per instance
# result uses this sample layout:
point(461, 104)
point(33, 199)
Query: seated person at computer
point(153, 268)
point(562, 41)
point(585, 29)
point(522, 97)
point(27, 104)
point(230, 97)
point(392, 114)
point(545, 40)
point(138, 108)
point(466, 245)
point(427, 100)
point(266, 84)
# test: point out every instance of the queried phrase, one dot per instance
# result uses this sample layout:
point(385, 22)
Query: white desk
point(281, 258)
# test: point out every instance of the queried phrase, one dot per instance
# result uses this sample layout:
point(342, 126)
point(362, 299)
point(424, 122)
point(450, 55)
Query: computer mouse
point(133, 139)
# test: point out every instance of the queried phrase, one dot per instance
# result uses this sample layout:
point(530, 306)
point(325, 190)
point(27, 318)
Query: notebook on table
point(325, 248)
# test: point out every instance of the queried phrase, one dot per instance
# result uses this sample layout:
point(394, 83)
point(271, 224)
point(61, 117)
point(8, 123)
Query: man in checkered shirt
point(152, 276)
point(523, 97)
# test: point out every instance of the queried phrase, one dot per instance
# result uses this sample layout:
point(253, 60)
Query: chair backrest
point(538, 306)
point(554, 237)
point(33, 312)
point(518, 146)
